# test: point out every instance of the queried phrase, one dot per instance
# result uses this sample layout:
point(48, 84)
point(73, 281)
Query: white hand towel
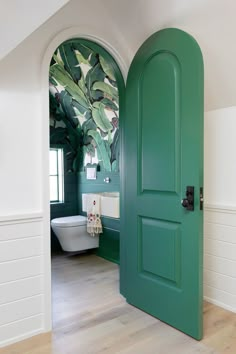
point(94, 225)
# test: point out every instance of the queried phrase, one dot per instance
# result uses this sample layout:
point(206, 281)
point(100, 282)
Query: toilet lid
point(75, 220)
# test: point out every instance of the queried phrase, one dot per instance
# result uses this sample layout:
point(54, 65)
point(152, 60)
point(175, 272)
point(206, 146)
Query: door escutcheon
point(188, 202)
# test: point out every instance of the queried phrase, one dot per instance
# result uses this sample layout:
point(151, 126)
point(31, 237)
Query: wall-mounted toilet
point(71, 232)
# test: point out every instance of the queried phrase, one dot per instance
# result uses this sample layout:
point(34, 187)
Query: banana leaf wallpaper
point(84, 111)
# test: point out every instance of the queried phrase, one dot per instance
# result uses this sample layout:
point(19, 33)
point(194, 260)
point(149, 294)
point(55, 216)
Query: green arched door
point(161, 261)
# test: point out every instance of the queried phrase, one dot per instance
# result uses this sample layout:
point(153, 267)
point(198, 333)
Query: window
point(56, 176)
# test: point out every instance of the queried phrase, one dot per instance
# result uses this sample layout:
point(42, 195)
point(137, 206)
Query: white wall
point(220, 207)
point(122, 26)
point(21, 94)
point(220, 167)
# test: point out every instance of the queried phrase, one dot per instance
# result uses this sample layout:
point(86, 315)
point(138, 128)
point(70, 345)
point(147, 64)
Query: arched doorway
point(86, 104)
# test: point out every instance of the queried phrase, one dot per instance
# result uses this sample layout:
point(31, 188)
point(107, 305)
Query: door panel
point(159, 263)
point(163, 140)
point(153, 103)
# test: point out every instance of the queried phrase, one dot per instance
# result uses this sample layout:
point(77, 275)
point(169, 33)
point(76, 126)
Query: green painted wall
point(109, 243)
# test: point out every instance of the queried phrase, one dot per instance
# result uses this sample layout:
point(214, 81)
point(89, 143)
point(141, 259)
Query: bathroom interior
point(84, 162)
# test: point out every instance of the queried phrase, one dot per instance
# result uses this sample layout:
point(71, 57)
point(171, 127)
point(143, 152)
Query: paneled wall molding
point(28, 217)
point(220, 208)
point(22, 277)
point(220, 255)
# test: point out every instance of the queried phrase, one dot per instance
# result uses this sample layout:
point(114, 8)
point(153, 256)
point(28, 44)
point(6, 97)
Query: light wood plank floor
point(90, 317)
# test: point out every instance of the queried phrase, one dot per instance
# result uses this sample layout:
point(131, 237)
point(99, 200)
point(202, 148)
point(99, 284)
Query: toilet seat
point(69, 221)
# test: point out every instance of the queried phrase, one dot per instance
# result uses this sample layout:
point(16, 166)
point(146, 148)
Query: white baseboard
point(220, 304)
point(21, 337)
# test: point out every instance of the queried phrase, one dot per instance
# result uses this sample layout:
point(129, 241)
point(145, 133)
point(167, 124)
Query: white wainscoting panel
point(20, 269)
point(20, 289)
point(21, 278)
point(21, 248)
point(220, 256)
point(19, 330)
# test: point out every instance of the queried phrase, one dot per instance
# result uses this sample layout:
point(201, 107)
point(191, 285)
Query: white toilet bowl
point(72, 234)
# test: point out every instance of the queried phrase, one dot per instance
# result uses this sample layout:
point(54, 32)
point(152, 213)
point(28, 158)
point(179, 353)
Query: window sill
point(57, 203)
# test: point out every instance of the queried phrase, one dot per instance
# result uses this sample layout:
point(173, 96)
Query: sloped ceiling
point(18, 19)
point(211, 22)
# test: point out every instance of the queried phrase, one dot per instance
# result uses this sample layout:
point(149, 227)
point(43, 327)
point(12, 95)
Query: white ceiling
point(18, 19)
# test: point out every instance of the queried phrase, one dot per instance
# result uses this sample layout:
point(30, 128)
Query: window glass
point(53, 162)
point(56, 175)
point(53, 188)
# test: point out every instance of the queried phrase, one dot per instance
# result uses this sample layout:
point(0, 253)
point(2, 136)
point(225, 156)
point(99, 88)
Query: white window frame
point(59, 175)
